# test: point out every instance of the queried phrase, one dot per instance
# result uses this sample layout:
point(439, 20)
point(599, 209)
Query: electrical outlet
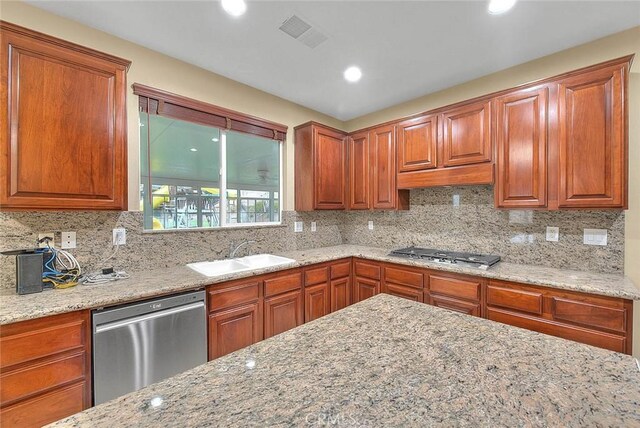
point(43, 235)
point(553, 233)
point(314, 226)
point(119, 236)
point(595, 236)
point(68, 240)
point(370, 225)
point(298, 226)
point(456, 200)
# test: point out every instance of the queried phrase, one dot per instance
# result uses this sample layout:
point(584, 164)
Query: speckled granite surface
point(148, 251)
point(146, 284)
point(388, 362)
point(475, 225)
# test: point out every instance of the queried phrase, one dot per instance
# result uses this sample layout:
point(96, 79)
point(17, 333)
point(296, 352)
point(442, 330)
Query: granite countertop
point(385, 362)
point(147, 284)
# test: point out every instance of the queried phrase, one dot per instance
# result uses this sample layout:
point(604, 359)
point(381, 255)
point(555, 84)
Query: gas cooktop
point(480, 261)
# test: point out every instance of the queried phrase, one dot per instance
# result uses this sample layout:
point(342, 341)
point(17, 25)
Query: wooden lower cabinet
point(458, 293)
point(235, 316)
point(234, 329)
point(363, 288)
point(316, 302)
point(282, 313)
point(45, 369)
point(577, 334)
point(340, 293)
point(595, 320)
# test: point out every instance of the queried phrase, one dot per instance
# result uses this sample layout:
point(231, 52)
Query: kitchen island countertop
point(148, 284)
point(386, 362)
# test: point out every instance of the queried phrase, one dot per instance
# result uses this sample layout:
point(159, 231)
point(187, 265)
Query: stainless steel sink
point(225, 267)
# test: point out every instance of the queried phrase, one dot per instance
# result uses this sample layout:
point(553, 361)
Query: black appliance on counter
point(480, 261)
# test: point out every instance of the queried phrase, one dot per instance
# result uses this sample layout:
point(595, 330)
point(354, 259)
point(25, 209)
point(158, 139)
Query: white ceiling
point(405, 48)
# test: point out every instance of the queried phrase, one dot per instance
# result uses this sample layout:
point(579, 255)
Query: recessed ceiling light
point(352, 74)
point(215, 140)
point(193, 149)
point(234, 7)
point(496, 7)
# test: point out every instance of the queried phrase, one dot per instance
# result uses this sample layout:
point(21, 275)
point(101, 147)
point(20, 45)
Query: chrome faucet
point(234, 249)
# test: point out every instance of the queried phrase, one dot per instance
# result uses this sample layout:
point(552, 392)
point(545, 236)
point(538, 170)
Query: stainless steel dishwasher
point(141, 343)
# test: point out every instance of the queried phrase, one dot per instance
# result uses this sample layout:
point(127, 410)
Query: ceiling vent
point(302, 31)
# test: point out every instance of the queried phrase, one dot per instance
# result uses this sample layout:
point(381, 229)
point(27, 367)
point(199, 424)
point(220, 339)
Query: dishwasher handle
point(167, 312)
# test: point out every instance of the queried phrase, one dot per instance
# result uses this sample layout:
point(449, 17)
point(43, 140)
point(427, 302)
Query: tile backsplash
point(433, 221)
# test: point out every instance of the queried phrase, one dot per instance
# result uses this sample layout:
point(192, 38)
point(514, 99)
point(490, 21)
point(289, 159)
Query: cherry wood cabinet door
point(234, 329)
point(329, 151)
point(382, 143)
point(282, 313)
point(363, 288)
point(64, 135)
point(418, 143)
point(593, 139)
point(340, 293)
point(467, 134)
point(521, 138)
point(359, 197)
point(316, 302)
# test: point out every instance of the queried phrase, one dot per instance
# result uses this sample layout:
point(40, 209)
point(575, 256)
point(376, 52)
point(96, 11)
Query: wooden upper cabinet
point(593, 138)
point(320, 164)
point(383, 167)
point(372, 171)
point(521, 140)
point(449, 147)
point(359, 198)
point(64, 140)
point(467, 134)
point(418, 143)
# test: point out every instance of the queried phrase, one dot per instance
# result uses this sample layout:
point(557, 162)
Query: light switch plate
point(370, 225)
point(595, 236)
point(314, 226)
point(553, 233)
point(456, 200)
point(298, 226)
point(119, 236)
point(68, 240)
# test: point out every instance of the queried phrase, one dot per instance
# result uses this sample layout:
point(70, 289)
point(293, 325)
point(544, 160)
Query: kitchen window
point(195, 175)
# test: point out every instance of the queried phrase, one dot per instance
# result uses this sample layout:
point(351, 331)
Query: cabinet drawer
point(403, 277)
point(29, 340)
point(519, 300)
point(589, 314)
point(233, 296)
point(454, 287)
point(340, 270)
point(282, 284)
point(36, 378)
point(409, 293)
point(456, 305)
point(367, 270)
point(45, 408)
point(316, 276)
point(577, 334)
